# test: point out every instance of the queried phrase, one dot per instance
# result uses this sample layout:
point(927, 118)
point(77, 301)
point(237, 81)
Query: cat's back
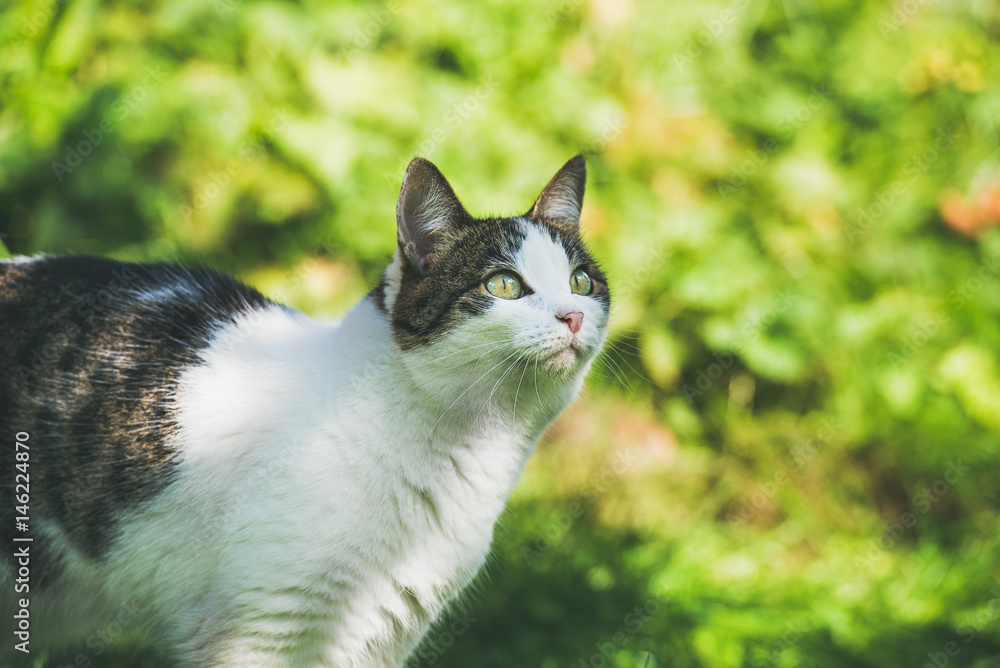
point(91, 351)
point(39, 294)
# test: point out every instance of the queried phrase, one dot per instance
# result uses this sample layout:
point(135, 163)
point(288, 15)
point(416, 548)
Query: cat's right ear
point(426, 206)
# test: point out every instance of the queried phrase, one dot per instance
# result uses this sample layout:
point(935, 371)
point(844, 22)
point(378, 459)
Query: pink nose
point(573, 319)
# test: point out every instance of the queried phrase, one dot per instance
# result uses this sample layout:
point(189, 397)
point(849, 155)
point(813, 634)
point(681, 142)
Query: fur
point(274, 491)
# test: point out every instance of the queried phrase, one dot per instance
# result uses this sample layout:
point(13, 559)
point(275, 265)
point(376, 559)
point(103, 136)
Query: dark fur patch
point(429, 305)
point(377, 295)
point(90, 354)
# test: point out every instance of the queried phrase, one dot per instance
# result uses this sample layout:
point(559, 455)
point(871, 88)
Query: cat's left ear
point(562, 199)
point(426, 207)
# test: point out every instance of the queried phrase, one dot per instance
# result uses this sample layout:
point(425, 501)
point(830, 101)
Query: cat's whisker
point(619, 334)
point(513, 364)
point(604, 358)
point(513, 419)
point(466, 391)
point(624, 342)
point(480, 359)
point(619, 375)
point(598, 367)
point(475, 362)
point(489, 399)
point(536, 383)
point(608, 372)
point(629, 365)
point(437, 360)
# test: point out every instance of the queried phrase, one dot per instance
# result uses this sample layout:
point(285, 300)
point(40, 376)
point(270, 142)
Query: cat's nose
point(573, 319)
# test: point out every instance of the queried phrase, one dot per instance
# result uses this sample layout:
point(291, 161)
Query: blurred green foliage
point(791, 453)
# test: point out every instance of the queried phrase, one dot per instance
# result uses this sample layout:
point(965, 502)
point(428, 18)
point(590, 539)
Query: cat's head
point(507, 292)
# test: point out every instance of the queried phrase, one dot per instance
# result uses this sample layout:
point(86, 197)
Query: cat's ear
point(427, 206)
point(562, 199)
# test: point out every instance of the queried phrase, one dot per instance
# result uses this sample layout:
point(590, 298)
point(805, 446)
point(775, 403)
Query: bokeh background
point(790, 452)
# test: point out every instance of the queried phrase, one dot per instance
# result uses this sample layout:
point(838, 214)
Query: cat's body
point(259, 489)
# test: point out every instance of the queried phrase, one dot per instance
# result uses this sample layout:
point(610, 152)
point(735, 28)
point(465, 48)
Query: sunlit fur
point(334, 494)
point(396, 477)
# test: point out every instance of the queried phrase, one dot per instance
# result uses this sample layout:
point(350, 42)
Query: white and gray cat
point(268, 490)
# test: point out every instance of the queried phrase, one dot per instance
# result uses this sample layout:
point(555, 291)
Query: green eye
point(580, 283)
point(504, 286)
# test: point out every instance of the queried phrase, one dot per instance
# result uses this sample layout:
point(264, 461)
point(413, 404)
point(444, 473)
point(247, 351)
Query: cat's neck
point(349, 383)
point(447, 404)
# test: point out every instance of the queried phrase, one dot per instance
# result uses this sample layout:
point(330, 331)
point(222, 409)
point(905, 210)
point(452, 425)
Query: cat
point(254, 488)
